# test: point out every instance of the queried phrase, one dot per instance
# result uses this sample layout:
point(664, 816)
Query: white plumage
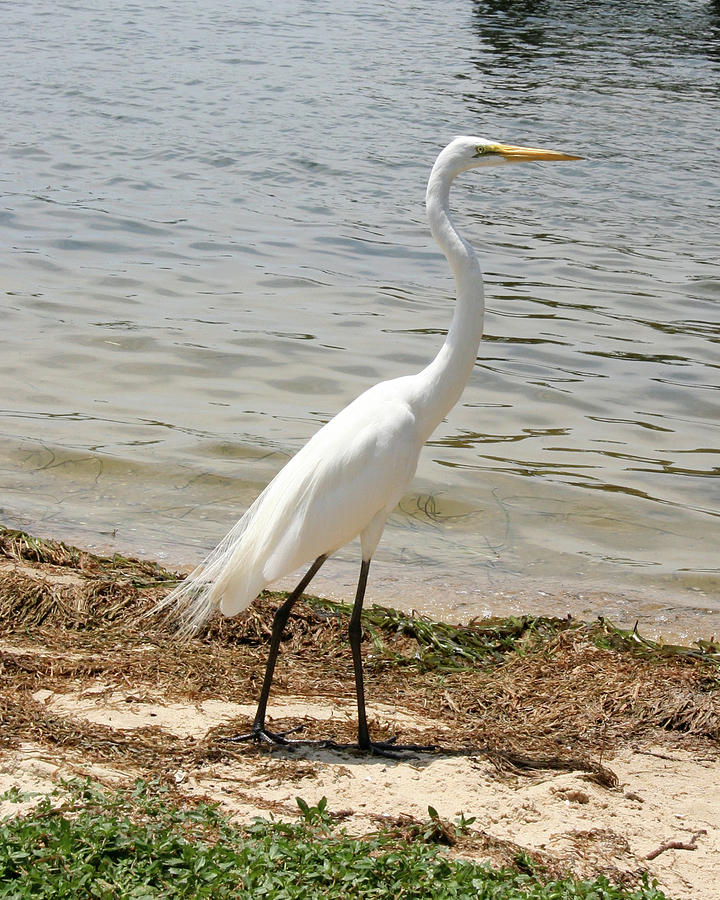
point(345, 481)
point(351, 474)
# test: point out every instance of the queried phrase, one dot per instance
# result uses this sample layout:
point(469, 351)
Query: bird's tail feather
point(195, 600)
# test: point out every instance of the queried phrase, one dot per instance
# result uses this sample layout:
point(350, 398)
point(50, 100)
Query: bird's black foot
point(262, 735)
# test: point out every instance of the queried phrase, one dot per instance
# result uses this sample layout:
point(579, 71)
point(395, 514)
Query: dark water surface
point(213, 237)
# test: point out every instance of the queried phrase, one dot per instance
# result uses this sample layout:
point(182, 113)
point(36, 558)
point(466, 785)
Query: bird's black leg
point(355, 637)
point(258, 731)
point(380, 748)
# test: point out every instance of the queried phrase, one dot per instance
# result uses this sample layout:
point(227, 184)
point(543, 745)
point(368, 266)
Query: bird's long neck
point(442, 382)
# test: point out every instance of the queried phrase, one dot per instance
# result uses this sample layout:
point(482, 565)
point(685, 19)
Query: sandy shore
point(590, 758)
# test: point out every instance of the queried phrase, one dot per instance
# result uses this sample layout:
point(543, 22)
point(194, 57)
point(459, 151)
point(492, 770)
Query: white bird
point(352, 473)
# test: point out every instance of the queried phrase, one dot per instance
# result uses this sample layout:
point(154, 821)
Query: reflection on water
point(519, 32)
point(216, 238)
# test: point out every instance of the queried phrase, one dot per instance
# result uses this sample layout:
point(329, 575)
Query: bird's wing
point(350, 474)
point(354, 469)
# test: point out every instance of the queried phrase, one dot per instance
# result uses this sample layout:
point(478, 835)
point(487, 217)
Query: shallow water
point(214, 237)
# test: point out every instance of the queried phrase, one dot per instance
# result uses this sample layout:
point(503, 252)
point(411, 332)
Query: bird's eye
point(480, 150)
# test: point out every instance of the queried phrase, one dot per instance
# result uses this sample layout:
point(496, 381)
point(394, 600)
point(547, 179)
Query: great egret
point(351, 474)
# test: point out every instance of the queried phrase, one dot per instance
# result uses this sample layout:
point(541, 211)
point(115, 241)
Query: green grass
point(85, 841)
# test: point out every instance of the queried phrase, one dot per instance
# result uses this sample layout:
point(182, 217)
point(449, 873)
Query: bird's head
point(465, 153)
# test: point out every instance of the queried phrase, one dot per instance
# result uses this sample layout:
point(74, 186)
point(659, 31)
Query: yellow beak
point(524, 154)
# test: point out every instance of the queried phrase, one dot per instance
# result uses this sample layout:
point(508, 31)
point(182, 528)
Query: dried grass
point(528, 692)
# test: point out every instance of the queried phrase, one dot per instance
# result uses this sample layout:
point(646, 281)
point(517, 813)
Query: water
point(214, 237)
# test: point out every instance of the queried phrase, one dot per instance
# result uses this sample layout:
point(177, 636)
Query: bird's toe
point(262, 735)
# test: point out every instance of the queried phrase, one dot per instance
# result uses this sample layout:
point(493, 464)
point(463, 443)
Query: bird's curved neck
point(443, 380)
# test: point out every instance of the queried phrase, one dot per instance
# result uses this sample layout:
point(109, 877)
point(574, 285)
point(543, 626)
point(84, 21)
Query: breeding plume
point(350, 476)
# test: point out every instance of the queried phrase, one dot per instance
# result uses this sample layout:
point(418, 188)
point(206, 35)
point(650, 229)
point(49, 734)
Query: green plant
point(315, 815)
point(85, 841)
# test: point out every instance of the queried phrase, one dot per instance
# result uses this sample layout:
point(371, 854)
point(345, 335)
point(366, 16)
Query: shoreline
point(583, 747)
point(678, 615)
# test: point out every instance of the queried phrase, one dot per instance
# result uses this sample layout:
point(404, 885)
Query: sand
point(72, 712)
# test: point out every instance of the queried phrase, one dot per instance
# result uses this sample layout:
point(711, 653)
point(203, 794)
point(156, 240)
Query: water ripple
point(215, 238)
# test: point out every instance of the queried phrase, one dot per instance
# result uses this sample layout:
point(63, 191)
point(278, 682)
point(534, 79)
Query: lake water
point(213, 237)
